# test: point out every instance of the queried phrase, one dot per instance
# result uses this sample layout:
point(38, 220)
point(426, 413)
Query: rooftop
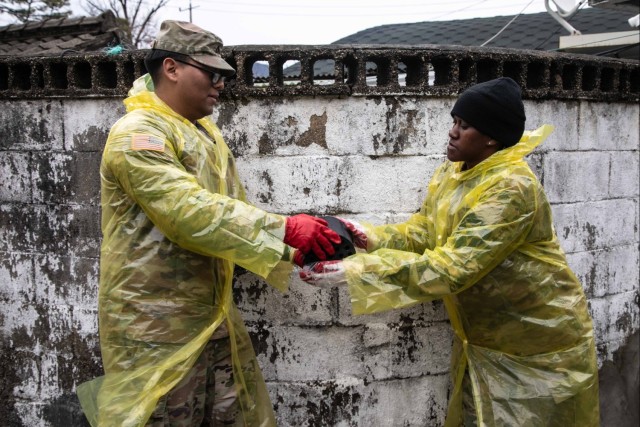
point(56, 36)
point(535, 31)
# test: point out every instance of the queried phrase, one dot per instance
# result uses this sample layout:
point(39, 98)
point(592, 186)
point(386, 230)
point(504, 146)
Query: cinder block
point(433, 311)
point(609, 126)
point(85, 325)
point(16, 281)
point(31, 125)
point(66, 178)
point(406, 130)
point(562, 115)
point(596, 225)
point(291, 184)
point(89, 135)
point(307, 354)
point(17, 225)
point(15, 177)
point(607, 271)
point(18, 323)
point(28, 413)
point(354, 126)
point(615, 317)
point(333, 402)
point(376, 334)
point(625, 174)
point(395, 184)
point(415, 401)
point(48, 380)
point(413, 350)
point(302, 305)
point(576, 176)
point(27, 371)
point(84, 225)
point(66, 280)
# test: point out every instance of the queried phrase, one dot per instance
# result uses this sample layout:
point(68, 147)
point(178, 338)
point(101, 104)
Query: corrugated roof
point(535, 31)
point(54, 36)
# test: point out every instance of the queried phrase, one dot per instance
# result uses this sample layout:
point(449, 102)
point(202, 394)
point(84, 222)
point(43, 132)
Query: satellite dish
point(565, 6)
point(564, 9)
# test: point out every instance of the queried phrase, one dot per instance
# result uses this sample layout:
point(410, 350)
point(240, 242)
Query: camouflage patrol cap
point(189, 39)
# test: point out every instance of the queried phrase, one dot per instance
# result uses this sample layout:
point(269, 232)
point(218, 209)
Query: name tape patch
point(146, 142)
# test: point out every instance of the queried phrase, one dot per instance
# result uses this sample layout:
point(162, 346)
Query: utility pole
point(190, 8)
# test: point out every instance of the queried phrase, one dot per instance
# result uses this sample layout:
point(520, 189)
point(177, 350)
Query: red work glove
point(358, 236)
point(298, 258)
point(309, 233)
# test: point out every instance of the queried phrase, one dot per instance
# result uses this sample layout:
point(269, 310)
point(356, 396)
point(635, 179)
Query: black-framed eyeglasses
point(215, 76)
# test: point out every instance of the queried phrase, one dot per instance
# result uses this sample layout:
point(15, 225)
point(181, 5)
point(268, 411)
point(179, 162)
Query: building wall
point(365, 157)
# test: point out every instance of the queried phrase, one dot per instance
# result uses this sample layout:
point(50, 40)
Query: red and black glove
point(310, 234)
point(358, 235)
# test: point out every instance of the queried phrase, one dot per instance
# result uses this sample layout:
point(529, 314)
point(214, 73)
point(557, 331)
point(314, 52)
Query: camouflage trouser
point(206, 396)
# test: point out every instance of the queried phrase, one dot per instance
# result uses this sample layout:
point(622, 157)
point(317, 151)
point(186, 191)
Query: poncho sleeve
point(494, 225)
point(149, 171)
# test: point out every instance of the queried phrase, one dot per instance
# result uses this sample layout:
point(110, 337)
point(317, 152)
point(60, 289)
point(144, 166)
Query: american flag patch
point(146, 142)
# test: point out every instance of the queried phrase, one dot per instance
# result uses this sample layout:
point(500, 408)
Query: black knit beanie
point(494, 108)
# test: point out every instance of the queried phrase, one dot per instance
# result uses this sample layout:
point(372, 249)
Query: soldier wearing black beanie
point(495, 109)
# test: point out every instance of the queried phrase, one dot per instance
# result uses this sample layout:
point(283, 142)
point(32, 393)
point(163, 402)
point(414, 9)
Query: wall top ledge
point(340, 70)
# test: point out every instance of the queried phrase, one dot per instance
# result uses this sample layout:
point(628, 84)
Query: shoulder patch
point(146, 142)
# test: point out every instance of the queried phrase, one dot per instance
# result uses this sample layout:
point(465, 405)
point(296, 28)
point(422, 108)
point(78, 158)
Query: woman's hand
point(324, 273)
point(358, 235)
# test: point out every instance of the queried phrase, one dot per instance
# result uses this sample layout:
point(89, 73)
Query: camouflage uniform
point(175, 222)
point(205, 396)
point(484, 242)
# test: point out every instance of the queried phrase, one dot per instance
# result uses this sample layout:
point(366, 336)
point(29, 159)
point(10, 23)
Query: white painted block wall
point(366, 158)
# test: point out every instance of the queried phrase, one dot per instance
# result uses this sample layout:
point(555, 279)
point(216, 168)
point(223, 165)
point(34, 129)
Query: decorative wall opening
point(537, 75)
point(107, 75)
point(82, 75)
point(440, 71)
point(22, 76)
point(336, 70)
point(324, 72)
point(589, 78)
point(58, 72)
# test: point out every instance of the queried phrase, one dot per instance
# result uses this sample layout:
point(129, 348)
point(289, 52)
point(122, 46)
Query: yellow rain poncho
point(484, 242)
point(174, 223)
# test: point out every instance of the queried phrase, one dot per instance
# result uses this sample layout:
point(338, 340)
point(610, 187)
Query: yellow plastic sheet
point(484, 242)
point(174, 222)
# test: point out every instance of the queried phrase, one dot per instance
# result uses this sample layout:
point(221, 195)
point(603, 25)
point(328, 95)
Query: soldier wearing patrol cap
point(175, 221)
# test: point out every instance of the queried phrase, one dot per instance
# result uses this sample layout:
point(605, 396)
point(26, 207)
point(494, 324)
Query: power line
point(340, 15)
point(342, 5)
point(617, 49)
point(508, 23)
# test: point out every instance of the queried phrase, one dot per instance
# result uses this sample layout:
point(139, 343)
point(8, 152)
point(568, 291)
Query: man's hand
point(358, 236)
point(310, 234)
point(326, 273)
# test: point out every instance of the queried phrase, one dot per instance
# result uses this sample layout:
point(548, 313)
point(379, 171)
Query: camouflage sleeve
point(150, 173)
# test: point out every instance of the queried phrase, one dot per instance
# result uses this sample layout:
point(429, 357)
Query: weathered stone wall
point(366, 155)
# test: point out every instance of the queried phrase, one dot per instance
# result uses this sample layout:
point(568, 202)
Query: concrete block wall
point(366, 158)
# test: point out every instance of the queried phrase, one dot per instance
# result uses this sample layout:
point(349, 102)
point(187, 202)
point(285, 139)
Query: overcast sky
point(321, 21)
point(325, 21)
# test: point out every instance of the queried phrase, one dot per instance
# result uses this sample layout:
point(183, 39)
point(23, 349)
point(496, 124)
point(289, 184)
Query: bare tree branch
point(135, 16)
point(28, 10)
